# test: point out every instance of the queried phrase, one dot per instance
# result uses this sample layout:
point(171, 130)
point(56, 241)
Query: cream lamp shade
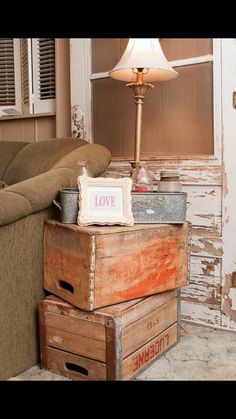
point(146, 55)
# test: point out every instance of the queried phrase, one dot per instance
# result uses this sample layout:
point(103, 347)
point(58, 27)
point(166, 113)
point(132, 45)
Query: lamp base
point(159, 207)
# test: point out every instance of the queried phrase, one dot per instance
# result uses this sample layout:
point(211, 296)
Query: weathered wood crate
point(112, 343)
point(92, 267)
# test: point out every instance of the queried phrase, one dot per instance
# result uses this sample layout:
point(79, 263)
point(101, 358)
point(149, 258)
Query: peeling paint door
point(211, 296)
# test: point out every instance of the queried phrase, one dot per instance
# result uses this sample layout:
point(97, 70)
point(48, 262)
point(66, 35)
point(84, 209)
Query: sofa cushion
point(37, 158)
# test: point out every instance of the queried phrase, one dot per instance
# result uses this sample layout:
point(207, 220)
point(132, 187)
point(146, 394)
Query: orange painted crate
point(111, 343)
point(98, 266)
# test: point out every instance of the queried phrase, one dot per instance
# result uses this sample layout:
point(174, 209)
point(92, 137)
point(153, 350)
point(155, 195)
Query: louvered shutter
point(7, 72)
point(44, 74)
point(10, 97)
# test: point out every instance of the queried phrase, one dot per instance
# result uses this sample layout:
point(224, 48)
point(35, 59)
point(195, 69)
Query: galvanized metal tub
point(159, 207)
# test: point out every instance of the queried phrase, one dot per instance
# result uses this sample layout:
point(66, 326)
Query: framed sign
point(105, 201)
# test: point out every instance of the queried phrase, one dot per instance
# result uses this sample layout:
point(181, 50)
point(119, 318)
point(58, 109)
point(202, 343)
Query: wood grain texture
point(67, 334)
point(101, 266)
point(65, 363)
point(149, 352)
point(140, 263)
point(145, 306)
point(68, 265)
point(141, 331)
point(97, 349)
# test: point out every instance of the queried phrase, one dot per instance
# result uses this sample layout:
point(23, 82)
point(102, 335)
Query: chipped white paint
point(229, 186)
point(205, 280)
point(202, 293)
point(200, 313)
point(232, 296)
point(204, 205)
point(205, 269)
point(206, 245)
point(199, 175)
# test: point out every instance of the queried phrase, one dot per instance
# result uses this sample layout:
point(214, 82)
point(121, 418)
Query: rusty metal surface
point(159, 207)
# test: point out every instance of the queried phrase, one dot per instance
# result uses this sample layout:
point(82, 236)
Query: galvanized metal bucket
point(159, 207)
point(69, 205)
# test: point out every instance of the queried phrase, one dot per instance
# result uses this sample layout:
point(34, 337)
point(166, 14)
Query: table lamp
point(142, 62)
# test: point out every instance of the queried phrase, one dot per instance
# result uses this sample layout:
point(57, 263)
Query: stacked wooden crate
point(117, 309)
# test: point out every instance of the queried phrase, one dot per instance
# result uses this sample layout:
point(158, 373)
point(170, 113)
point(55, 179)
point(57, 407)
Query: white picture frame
point(105, 201)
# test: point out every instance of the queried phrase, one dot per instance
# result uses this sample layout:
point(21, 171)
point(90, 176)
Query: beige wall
point(32, 128)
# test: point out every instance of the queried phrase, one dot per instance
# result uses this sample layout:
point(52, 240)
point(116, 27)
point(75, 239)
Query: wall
point(27, 128)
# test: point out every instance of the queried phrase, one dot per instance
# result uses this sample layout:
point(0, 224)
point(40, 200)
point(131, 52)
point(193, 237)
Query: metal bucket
point(159, 207)
point(69, 205)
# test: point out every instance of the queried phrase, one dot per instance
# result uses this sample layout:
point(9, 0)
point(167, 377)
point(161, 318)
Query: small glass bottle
point(142, 180)
point(83, 169)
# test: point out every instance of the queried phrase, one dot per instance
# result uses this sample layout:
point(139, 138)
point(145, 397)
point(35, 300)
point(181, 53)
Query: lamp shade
point(146, 54)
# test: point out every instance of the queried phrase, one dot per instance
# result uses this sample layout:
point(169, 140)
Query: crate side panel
point(68, 264)
point(147, 327)
point(76, 344)
point(141, 358)
point(74, 366)
point(78, 327)
point(140, 263)
point(145, 306)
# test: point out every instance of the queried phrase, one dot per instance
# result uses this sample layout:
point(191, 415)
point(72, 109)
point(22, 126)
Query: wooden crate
point(92, 267)
point(111, 343)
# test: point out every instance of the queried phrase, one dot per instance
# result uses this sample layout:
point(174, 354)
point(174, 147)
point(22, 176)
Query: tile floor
point(203, 353)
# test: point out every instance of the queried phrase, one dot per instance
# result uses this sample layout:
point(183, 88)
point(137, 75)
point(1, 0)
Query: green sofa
point(34, 173)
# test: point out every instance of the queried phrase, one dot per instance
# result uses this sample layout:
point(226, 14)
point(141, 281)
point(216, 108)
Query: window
point(27, 75)
point(10, 97)
point(178, 115)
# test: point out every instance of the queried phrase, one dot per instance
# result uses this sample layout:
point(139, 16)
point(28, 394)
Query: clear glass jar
point(142, 180)
point(169, 181)
point(83, 169)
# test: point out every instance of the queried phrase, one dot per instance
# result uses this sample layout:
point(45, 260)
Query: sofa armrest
point(37, 193)
point(98, 156)
point(12, 207)
point(32, 195)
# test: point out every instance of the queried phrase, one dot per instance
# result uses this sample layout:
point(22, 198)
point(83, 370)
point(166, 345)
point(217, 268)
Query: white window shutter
point(44, 84)
point(10, 76)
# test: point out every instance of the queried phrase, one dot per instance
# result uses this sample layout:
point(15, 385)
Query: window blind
point(46, 68)
point(7, 73)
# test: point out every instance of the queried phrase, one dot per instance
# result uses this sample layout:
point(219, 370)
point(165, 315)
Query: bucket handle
point(57, 204)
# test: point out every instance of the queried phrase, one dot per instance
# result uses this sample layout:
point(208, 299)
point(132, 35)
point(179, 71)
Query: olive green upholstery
point(34, 174)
